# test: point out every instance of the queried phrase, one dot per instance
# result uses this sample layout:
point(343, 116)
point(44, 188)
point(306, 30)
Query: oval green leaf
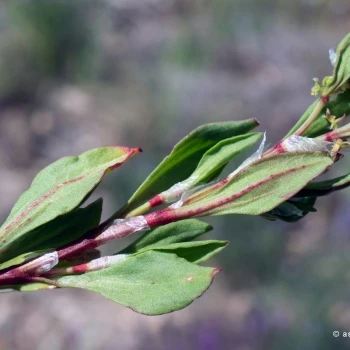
point(58, 189)
point(262, 186)
point(151, 283)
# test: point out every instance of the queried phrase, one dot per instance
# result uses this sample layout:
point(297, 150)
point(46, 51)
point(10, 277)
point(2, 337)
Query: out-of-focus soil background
point(81, 74)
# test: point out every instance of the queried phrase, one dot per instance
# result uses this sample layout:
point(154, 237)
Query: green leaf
point(31, 287)
point(339, 106)
point(58, 189)
point(292, 210)
point(69, 227)
point(58, 232)
point(151, 283)
point(261, 186)
point(21, 259)
point(184, 157)
point(219, 155)
point(305, 204)
point(341, 72)
point(176, 232)
point(194, 252)
point(323, 188)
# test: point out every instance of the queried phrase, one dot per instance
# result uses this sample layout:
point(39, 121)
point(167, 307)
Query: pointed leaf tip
point(256, 121)
point(130, 150)
point(216, 271)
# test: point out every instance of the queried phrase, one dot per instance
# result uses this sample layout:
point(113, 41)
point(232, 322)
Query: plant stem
point(340, 133)
point(313, 116)
point(101, 235)
point(45, 280)
point(145, 207)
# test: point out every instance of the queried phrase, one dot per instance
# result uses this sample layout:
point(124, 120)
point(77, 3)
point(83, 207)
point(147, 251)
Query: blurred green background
point(82, 74)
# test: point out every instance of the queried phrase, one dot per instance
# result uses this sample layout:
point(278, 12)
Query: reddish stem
point(340, 133)
point(101, 235)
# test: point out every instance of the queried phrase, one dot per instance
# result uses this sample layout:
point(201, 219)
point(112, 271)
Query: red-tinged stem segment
point(340, 133)
point(145, 207)
point(93, 265)
point(101, 235)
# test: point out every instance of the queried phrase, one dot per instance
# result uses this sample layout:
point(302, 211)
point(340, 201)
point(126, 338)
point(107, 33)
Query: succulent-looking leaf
point(176, 232)
point(341, 73)
point(184, 157)
point(322, 188)
point(194, 252)
point(262, 186)
point(59, 188)
point(58, 232)
point(151, 283)
point(338, 107)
